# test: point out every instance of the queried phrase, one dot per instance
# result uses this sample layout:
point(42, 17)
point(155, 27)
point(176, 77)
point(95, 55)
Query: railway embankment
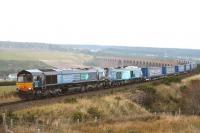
point(169, 106)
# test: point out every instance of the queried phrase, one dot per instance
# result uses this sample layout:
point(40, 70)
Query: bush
point(198, 68)
point(78, 116)
point(183, 88)
point(169, 80)
point(70, 100)
point(111, 91)
point(94, 112)
point(7, 83)
point(11, 115)
point(191, 98)
point(147, 89)
point(146, 96)
point(132, 131)
point(29, 117)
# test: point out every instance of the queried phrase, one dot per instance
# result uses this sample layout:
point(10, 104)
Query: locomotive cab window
point(24, 78)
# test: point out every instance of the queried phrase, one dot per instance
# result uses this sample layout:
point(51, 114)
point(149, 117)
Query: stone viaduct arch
point(135, 61)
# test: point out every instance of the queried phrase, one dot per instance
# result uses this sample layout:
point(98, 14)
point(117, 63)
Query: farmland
point(8, 94)
point(40, 55)
point(15, 60)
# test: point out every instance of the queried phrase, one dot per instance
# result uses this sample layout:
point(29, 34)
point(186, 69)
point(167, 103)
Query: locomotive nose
point(24, 86)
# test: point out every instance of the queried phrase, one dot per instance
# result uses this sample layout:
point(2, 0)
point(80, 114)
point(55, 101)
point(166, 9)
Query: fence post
point(179, 111)
point(36, 123)
point(38, 130)
point(11, 123)
point(78, 121)
point(4, 123)
point(95, 120)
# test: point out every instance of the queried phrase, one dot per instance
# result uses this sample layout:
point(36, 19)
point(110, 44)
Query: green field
point(12, 61)
point(13, 66)
point(41, 55)
point(6, 91)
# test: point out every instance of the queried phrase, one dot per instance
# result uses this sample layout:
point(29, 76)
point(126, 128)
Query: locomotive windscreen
point(24, 78)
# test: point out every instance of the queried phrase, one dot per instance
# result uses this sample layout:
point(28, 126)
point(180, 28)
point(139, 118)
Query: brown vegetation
point(161, 109)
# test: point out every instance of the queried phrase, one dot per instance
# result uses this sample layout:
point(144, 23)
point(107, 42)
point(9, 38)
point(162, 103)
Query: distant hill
point(12, 66)
point(97, 50)
point(15, 56)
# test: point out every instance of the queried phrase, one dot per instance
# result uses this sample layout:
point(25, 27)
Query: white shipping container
point(193, 65)
point(170, 69)
point(187, 67)
point(136, 71)
point(181, 68)
point(154, 71)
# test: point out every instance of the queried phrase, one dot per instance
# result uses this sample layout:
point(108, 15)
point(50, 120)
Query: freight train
point(37, 83)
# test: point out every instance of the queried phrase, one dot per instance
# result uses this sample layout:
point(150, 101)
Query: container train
point(37, 83)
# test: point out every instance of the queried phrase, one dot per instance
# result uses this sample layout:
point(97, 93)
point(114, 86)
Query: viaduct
point(136, 61)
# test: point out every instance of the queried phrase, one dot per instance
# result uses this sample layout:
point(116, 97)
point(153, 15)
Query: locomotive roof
point(47, 70)
point(39, 71)
point(31, 71)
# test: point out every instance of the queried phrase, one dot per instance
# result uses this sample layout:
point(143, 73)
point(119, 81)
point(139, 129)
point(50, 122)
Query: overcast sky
point(152, 23)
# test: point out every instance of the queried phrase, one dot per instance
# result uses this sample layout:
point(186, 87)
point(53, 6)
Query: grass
point(13, 66)
point(7, 91)
point(40, 55)
point(112, 113)
point(7, 83)
point(166, 124)
point(70, 100)
point(8, 94)
point(169, 80)
point(105, 107)
point(163, 124)
point(12, 61)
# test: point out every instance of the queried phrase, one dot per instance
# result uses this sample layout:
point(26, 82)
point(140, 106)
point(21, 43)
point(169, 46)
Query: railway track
point(22, 104)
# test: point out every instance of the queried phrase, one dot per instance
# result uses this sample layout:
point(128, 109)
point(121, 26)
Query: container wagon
point(150, 73)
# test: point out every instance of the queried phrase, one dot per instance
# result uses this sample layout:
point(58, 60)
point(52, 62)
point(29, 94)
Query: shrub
point(183, 88)
point(132, 131)
point(146, 96)
point(11, 115)
point(7, 83)
point(191, 98)
point(118, 98)
point(70, 100)
point(111, 91)
point(29, 117)
point(169, 80)
point(109, 131)
point(94, 112)
point(1, 119)
point(147, 89)
point(78, 116)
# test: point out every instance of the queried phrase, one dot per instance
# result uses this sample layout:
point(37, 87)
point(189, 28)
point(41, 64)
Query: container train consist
point(37, 83)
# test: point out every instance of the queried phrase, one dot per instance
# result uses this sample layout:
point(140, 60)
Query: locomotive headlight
point(29, 88)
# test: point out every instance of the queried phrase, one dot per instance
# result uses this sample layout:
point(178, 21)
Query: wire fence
point(50, 124)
